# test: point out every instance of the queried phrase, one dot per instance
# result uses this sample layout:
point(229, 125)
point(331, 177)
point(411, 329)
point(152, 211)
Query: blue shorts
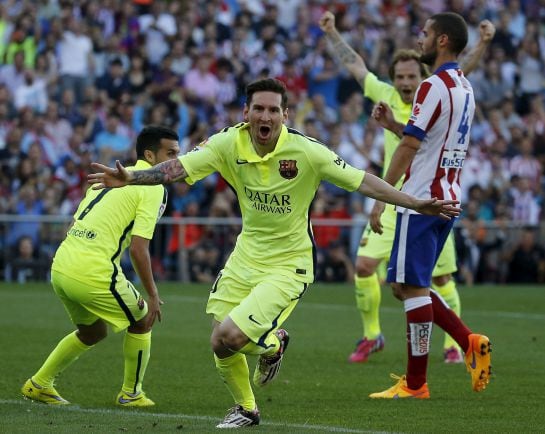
point(418, 242)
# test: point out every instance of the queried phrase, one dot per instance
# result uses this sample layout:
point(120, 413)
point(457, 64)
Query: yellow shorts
point(120, 307)
point(258, 301)
point(378, 246)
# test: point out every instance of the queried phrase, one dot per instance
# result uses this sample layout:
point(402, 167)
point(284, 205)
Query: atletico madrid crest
point(288, 168)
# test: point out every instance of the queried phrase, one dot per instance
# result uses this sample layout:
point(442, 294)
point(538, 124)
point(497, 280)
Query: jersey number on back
point(93, 203)
point(463, 128)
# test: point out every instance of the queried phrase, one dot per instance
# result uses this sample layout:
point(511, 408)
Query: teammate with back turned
point(87, 277)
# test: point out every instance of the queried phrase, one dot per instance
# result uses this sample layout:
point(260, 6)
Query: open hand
point(374, 217)
point(154, 311)
point(108, 177)
point(442, 208)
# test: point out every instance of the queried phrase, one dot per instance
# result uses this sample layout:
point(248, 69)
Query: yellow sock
point(234, 372)
point(368, 302)
point(136, 349)
point(449, 292)
point(271, 345)
point(65, 353)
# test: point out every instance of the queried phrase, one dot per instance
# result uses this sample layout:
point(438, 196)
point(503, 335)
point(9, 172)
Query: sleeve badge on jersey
point(288, 168)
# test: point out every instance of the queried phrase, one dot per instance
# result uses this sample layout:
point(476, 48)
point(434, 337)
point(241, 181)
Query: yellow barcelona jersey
point(102, 229)
point(274, 192)
point(376, 91)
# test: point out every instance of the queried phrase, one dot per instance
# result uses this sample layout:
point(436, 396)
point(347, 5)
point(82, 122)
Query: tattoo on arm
point(344, 52)
point(163, 173)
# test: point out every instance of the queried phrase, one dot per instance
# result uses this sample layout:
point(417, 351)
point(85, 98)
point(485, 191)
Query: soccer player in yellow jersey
point(406, 73)
point(275, 172)
point(86, 275)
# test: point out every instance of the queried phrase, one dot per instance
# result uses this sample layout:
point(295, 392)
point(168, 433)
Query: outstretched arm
point(349, 58)
point(380, 190)
point(486, 34)
point(401, 159)
point(166, 172)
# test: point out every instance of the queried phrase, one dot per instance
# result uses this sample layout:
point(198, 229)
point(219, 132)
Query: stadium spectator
point(26, 263)
point(12, 75)
point(75, 59)
point(32, 93)
point(526, 259)
point(115, 81)
point(110, 143)
point(335, 266)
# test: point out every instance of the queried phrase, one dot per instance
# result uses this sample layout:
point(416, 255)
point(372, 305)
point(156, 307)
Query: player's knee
point(91, 335)
point(441, 280)
point(140, 327)
point(365, 267)
point(229, 337)
point(397, 291)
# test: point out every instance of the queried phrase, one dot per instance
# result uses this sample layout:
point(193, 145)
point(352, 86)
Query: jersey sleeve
point(376, 90)
point(330, 167)
point(426, 110)
point(202, 161)
point(149, 209)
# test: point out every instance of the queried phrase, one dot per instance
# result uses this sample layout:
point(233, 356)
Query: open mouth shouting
point(264, 133)
point(407, 95)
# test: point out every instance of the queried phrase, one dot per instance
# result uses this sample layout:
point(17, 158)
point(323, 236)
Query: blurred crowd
point(79, 79)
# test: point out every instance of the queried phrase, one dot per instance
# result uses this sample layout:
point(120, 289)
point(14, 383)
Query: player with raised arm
point(275, 172)
point(87, 277)
point(431, 154)
point(406, 72)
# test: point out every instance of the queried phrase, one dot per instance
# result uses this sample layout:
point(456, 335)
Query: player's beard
point(429, 58)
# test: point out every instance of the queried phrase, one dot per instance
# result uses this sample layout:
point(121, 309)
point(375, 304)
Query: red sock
point(419, 313)
point(445, 318)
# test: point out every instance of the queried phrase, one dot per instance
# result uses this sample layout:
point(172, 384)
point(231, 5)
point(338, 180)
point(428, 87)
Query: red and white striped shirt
point(441, 118)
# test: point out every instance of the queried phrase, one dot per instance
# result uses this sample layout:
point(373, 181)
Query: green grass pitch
point(316, 391)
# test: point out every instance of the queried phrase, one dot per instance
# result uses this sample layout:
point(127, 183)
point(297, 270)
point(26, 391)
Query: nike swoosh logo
point(473, 363)
point(242, 161)
point(126, 401)
point(251, 318)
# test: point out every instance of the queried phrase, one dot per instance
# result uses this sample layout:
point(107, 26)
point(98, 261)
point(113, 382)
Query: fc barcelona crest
point(288, 168)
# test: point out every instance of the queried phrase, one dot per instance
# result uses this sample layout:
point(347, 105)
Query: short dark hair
point(404, 55)
point(267, 85)
point(150, 138)
point(452, 25)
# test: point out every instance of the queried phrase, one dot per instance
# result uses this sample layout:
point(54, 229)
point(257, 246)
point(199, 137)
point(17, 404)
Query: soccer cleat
point(365, 347)
point(478, 361)
point(401, 390)
point(267, 367)
point(139, 399)
point(47, 395)
point(237, 417)
point(452, 355)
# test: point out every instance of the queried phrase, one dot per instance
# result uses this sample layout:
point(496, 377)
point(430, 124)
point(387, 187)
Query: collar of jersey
point(448, 65)
point(142, 164)
point(246, 150)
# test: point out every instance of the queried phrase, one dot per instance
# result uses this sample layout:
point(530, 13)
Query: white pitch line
point(343, 307)
point(76, 408)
